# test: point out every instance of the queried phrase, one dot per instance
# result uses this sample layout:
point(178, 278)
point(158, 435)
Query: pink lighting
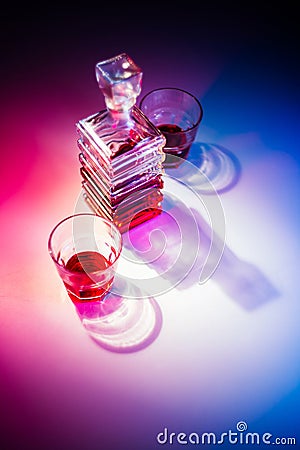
point(172, 351)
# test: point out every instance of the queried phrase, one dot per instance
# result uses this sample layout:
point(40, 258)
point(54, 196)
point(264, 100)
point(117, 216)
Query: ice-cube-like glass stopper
point(120, 80)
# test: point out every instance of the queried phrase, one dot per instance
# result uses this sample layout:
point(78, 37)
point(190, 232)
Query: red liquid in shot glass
point(86, 288)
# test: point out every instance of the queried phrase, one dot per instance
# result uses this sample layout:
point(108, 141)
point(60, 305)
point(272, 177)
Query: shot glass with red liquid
point(177, 114)
point(85, 249)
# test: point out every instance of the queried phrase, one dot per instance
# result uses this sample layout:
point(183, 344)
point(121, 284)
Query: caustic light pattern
point(210, 354)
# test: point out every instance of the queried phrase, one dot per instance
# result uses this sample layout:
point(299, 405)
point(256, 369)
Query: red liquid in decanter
point(121, 150)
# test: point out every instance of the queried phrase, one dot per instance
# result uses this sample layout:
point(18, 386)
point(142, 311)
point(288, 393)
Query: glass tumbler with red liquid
point(177, 114)
point(85, 249)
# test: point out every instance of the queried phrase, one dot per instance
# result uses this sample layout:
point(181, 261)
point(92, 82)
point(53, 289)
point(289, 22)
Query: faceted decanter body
point(121, 151)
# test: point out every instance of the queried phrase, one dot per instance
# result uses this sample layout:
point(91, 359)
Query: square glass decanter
point(121, 151)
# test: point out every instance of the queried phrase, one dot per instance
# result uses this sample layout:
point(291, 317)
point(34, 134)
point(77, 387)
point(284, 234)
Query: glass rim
point(72, 216)
point(179, 90)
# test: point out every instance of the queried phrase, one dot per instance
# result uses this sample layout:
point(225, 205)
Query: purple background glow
point(215, 362)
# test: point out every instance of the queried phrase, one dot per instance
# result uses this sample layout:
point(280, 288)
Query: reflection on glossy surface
point(171, 243)
point(122, 322)
point(220, 168)
point(163, 244)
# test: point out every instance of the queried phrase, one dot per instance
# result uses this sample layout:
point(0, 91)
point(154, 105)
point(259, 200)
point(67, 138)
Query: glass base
point(173, 160)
